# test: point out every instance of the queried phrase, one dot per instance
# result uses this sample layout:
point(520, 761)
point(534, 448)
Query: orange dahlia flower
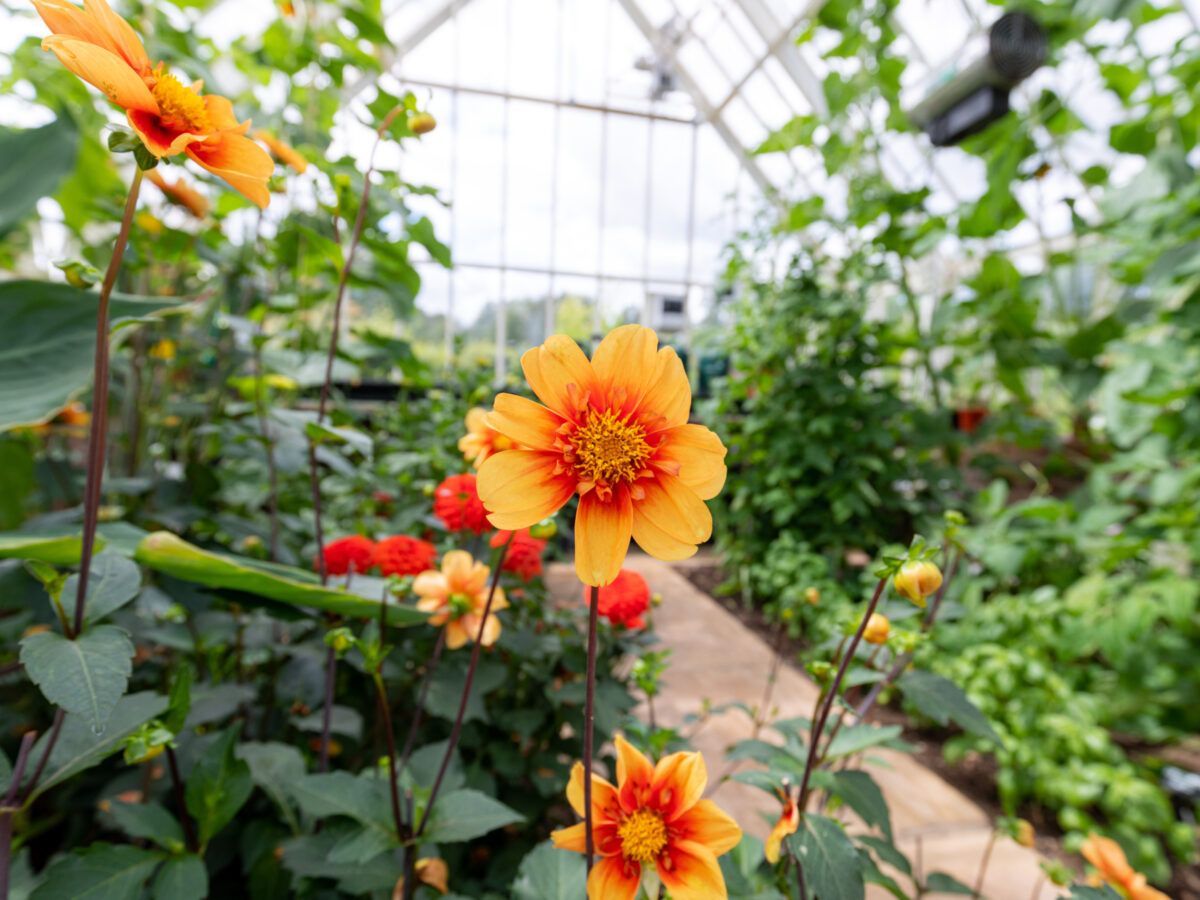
point(481, 439)
point(653, 819)
point(180, 194)
point(1110, 862)
point(457, 596)
point(615, 431)
point(788, 823)
point(169, 117)
point(285, 153)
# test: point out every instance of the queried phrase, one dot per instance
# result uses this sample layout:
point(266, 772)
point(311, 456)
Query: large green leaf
point(86, 676)
point(341, 794)
point(149, 820)
point(218, 786)
point(58, 551)
point(550, 874)
point(35, 161)
point(859, 791)
point(99, 872)
point(113, 582)
point(943, 700)
point(182, 878)
point(274, 768)
point(465, 815)
point(171, 555)
point(830, 861)
point(49, 344)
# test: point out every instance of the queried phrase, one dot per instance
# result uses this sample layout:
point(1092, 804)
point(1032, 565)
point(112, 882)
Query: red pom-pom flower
point(457, 504)
point(625, 600)
point(524, 556)
point(343, 553)
point(403, 555)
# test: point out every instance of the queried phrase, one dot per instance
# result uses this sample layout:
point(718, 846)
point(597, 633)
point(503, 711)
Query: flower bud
point(340, 639)
point(917, 579)
point(544, 530)
point(422, 123)
point(1025, 834)
point(812, 595)
point(877, 630)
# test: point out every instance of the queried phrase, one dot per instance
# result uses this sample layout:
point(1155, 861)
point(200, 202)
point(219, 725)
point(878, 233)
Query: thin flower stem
point(99, 425)
point(327, 710)
point(410, 856)
point(983, 865)
point(55, 728)
point(189, 834)
point(393, 774)
point(818, 728)
point(589, 723)
point(462, 706)
point(269, 447)
point(6, 811)
point(431, 667)
point(803, 888)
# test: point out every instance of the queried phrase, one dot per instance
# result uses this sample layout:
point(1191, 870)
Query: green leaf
point(341, 794)
point(35, 161)
point(171, 555)
point(149, 820)
point(99, 872)
point(218, 786)
point(421, 231)
point(860, 792)
point(942, 700)
point(830, 862)
point(548, 873)
point(179, 703)
point(275, 768)
point(327, 247)
point(113, 582)
point(319, 433)
point(58, 551)
point(182, 878)
point(362, 846)
point(465, 815)
point(79, 747)
point(50, 344)
point(941, 883)
point(857, 738)
point(86, 676)
point(886, 852)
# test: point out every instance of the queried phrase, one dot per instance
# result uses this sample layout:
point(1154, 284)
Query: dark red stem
point(589, 723)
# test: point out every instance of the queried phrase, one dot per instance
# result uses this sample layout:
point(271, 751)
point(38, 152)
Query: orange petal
point(614, 878)
point(491, 631)
point(634, 773)
point(602, 532)
point(625, 359)
point(605, 805)
point(554, 365)
point(220, 113)
point(429, 604)
point(573, 838)
point(1107, 856)
point(690, 872)
point(103, 70)
point(669, 398)
point(160, 140)
point(122, 36)
point(431, 584)
point(69, 20)
point(786, 825)
point(529, 424)
point(456, 635)
point(707, 824)
point(657, 542)
point(678, 784)
point(238, 160)
point(519, 488)
point(701, 458)
point(675, 509)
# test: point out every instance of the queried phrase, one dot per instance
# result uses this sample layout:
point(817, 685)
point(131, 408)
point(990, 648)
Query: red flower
point(524, 557)
point(623, 601)
point(457, 504)
point(345, 552)
point(403, 555)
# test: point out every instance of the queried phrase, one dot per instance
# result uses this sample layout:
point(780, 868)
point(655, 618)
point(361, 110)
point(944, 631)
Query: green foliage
point(86, 675)
point(36, 161)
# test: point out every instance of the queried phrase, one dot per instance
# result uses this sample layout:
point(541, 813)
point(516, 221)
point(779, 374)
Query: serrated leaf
point(218, 786)
point(86, 676)
point(859, 791)
point(274, 768)
point(182, 878)
point(99, 872)
point(831, 864)
point(943, 701)
point(113, 582)
point(548, 873)
point(148, 820)
point(465, 815)
point(857, 738)
point(342, 794)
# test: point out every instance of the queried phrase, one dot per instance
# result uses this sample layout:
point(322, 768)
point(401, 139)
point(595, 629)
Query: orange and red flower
point(355, 551)
point(180, 193)
point(614, 430)
point(456, 502)
point(524, 556)
point(403, 555)
point(788, 823)
point(285, 153)
point(654, 819)
point(625, 600)
point(1110, 862)
point(481, 439)
point(457, 596)
point(169, 117)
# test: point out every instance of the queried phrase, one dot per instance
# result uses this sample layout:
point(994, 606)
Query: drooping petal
point(700, 455)
point(103, 70)
point(678, 784)
point(519, 483)
point(625, 364)
point(499, 601)
point(456, 635)
point(657, 542)
point(707, 824)
point(123, 37)
point(634, 774)
point(238, 160)
point(491, 630)
point(614, 878)
point(690, 872)
point(573, 838)
point(552, 367)
point(606, 806)
point(669, 398)
point(529, 424)
point(431, 584)
point(602, 532)
point(675, 509)
point(220, 113)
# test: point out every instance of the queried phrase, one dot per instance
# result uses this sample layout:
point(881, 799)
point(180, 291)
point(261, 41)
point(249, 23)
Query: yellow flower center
point(608, 449)
point(180, 107)
point(643, 836)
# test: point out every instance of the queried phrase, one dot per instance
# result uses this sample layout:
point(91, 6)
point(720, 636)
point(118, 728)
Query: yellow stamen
point(608, 449)
point(643, 836)
point(180, 107)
